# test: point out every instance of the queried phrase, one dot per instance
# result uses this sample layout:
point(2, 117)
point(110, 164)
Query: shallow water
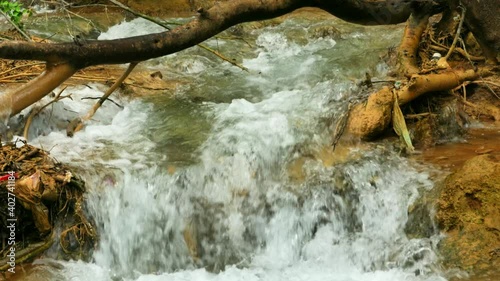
point(194, 185)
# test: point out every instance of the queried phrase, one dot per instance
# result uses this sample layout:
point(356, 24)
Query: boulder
point(469, 214)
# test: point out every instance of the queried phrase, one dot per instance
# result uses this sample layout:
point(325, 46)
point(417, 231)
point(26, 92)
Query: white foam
point(344, 223)
point(135, 27)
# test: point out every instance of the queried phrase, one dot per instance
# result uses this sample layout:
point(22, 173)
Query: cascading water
point(201, 190)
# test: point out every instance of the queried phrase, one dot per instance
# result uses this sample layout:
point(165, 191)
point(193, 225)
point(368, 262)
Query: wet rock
point(324, 31)
point(469, 214)
point(420, 223)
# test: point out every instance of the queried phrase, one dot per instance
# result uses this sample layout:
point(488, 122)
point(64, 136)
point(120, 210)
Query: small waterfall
point(232, 212)
point(351, 216)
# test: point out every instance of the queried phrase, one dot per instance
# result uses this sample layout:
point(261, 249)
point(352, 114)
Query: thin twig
point(21, 66)
point(486, 82)
point(441, 48)
point(464, 91)
point(16, 26)
point(384, 81)
point(110, 90)
point(480, 76)
point(204, 47)
point(4, 38)
point(6, 79)
point(89, 22)
point(90, 77)
point(419, 115)
point(33, 113)
point(96, 98)
point(151, 19)
point(234, 38)
point(459, 29)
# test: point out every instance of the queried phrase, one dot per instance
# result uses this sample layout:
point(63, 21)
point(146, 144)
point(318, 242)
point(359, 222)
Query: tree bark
point(407, 53)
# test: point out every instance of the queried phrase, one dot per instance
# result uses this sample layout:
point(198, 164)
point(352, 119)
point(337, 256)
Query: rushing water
point(194, 185)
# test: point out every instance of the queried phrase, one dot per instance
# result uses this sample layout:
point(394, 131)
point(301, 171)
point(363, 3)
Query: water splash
point(234, 211)
point(135, 27)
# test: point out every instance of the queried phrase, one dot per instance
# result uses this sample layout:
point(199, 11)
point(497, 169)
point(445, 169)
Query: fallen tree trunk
point(80, 54)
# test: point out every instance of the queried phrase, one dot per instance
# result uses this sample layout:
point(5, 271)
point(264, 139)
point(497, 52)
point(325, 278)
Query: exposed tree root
point(421, 84)
point(407, 53)
point(53, 76)
point(370, 119)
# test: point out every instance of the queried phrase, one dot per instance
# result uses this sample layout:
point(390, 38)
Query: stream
point(194, 185)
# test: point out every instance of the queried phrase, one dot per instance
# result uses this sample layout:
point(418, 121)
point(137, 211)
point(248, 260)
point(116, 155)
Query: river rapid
point(194, 184)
